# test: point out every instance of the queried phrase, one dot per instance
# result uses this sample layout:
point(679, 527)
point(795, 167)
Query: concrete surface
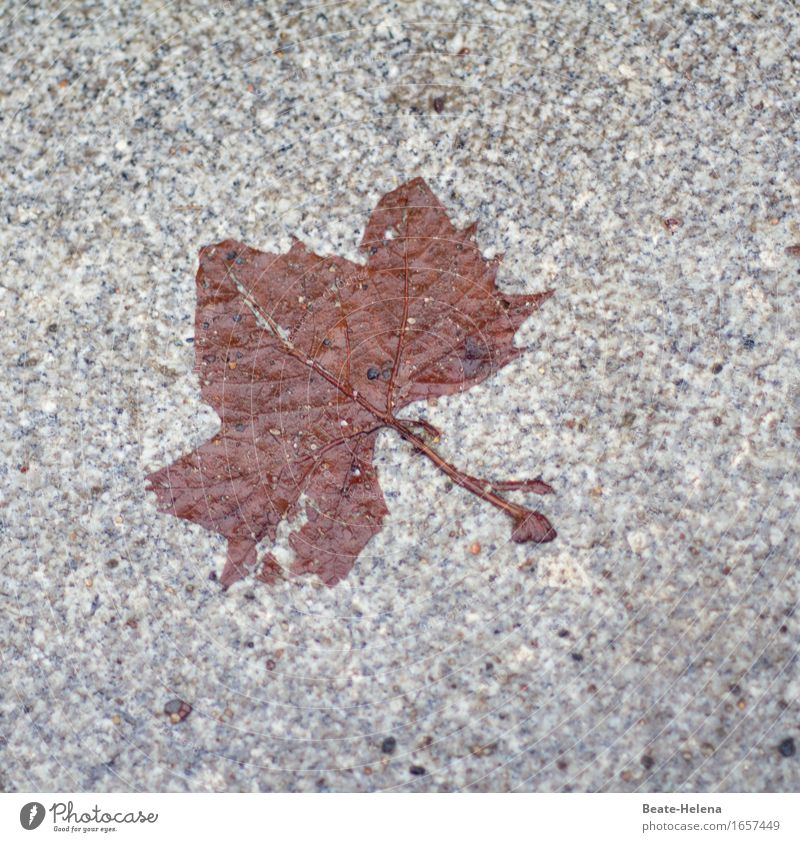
point(653, 646)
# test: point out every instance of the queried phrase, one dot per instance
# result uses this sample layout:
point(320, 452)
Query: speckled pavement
point(640, 160)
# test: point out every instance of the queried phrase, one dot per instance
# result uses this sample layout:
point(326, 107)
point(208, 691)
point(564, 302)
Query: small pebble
point(388, 745)
point(475, 548)
point(787, 747)
point(177, 710)
point(479, 750)
point(417, 770)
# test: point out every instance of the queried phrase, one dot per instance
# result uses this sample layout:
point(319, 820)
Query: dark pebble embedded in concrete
point(787, 747)
point(388, 745)
point(417, 770)
point(177, 710)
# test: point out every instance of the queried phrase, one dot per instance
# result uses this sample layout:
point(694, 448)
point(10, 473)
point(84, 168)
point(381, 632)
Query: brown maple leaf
point(305, 358)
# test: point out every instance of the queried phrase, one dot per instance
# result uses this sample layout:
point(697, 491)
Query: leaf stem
point(470, 483)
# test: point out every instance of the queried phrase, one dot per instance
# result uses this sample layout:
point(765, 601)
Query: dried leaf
point(305, 358)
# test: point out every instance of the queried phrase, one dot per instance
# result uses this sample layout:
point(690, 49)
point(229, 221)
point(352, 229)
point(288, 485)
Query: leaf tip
point(270, 571)
point(241, 557)
point(417, 181)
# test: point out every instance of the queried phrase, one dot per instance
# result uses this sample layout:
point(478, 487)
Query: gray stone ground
point(653, 646)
